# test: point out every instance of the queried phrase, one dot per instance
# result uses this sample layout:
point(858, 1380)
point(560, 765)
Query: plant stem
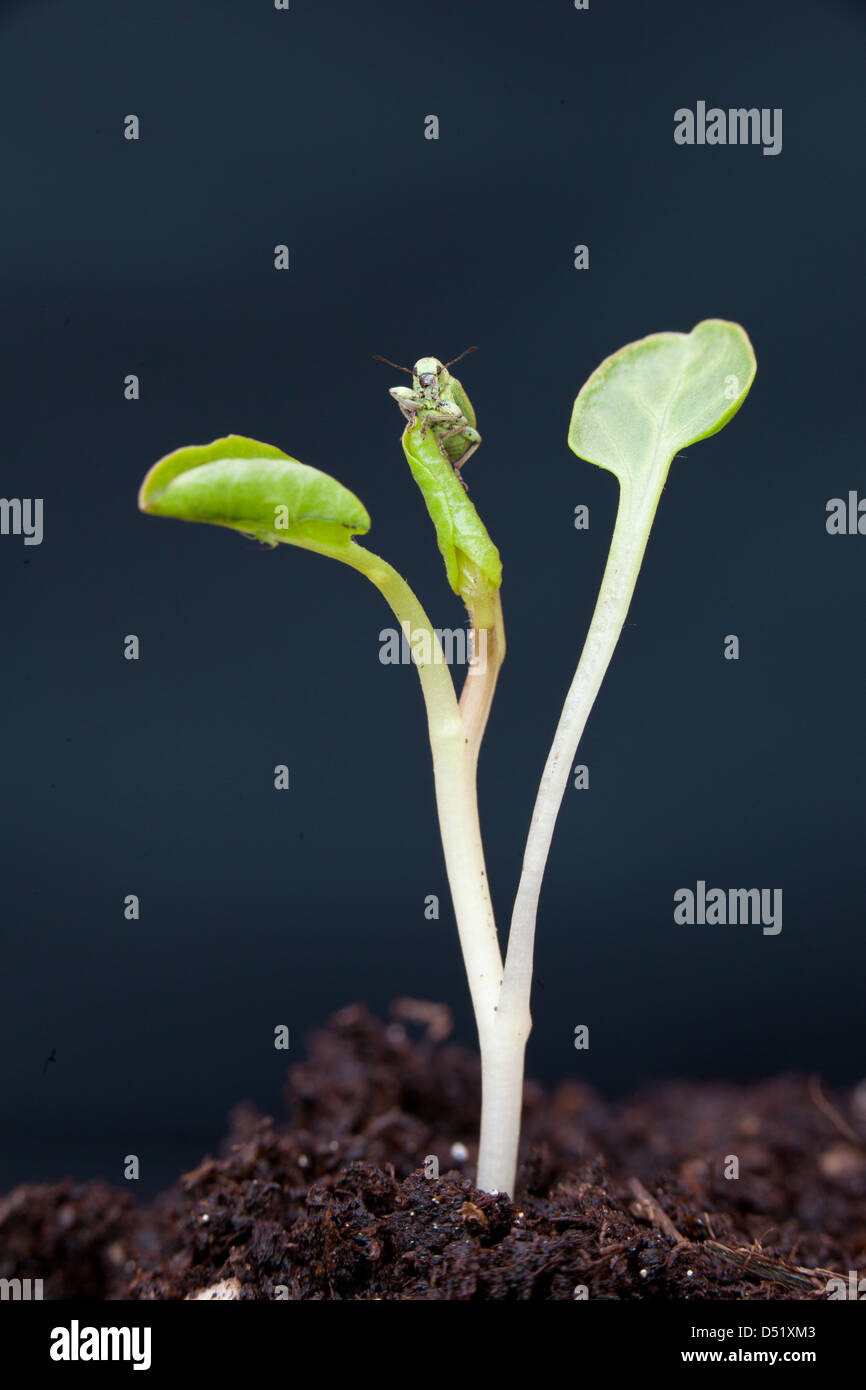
point(480, 684)
point(455, 739)
point(498, 1155)
point(454, 762)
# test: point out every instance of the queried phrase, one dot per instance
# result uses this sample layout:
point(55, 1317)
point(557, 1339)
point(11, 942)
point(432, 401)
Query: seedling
point(637, 410)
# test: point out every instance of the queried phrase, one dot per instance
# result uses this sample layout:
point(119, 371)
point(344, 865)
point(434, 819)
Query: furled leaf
point(472, 561)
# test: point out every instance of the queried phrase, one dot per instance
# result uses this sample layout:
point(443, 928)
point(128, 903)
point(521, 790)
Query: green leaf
point(257, 489)
point(472, 561)
point(655, 396)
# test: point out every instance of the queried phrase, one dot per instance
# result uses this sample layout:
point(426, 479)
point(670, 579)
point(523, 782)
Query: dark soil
point(615, 1200)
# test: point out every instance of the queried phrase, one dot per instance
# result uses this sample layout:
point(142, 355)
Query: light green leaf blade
point(472, 561)
point(257, 489)
point(655, 396)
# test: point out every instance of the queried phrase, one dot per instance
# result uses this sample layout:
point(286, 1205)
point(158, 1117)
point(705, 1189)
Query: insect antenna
point(389, 363)
point(462, 355)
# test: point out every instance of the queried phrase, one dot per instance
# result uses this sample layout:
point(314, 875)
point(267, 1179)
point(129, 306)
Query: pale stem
point(480, 683)
point(454, 775)
point(500, 1130)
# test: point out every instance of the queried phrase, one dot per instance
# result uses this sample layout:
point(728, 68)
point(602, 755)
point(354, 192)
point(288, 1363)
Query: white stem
point(501, 1102)
point(500, 1126)
point(457, 805)
point(455, 755)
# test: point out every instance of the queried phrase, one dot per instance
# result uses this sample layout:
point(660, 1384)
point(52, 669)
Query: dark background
point(155, 777)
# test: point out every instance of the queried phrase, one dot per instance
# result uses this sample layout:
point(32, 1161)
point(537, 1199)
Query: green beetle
point(438, 399)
